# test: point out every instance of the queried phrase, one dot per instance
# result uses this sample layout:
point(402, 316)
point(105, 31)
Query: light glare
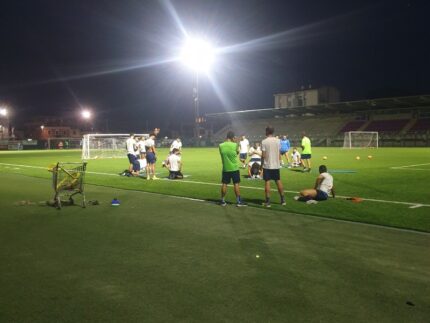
point(3, 112)
point(86, 114)
point(198, 55)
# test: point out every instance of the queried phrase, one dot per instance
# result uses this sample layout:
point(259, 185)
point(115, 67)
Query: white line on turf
point(408, 166)
point(416, 205)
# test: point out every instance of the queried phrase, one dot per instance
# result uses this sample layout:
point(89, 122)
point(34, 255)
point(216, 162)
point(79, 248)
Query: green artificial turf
point(370, 178)
point(158, 258)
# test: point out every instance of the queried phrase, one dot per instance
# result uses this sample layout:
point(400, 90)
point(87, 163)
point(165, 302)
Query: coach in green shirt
point(230, 168)
point(306, 153)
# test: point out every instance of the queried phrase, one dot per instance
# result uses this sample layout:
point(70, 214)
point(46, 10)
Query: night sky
point(56, 55)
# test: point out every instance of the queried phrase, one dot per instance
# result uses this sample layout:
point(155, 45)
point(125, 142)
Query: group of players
point(265, 162)
point(255, 168)
point(142, 155)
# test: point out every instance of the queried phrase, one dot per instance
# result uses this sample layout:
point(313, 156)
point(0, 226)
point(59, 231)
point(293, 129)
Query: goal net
point(360, 139)
point(105, 145)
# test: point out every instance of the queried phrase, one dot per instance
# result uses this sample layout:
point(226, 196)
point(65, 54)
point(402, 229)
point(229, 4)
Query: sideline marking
point(412, 205)
point(409, 166)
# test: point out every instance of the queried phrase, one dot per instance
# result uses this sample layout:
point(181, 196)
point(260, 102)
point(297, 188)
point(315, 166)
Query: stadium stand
point(353, 126)
point(395, 126)
point(420, 126)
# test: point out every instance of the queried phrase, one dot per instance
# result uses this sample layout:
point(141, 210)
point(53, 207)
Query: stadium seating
point(422, 125)
point(353, 126)
point(394, 126)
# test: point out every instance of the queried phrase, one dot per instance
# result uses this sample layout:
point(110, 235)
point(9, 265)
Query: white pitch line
point(411, 204)
point(409, 166)
point(414, 169)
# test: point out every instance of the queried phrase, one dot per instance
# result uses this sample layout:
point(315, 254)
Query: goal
point(361, 139)
point(105, 145)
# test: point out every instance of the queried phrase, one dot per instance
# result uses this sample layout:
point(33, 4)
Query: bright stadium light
point(86, 114)
point(198, 54)
point(3, 112)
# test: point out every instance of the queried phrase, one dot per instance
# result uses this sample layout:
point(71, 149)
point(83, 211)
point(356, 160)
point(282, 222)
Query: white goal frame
point(348, 139)
point(117, 150)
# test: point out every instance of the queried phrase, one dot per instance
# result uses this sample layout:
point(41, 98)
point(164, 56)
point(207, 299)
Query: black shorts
point(321, 196)
point(132, 158)
point(150, 157)
point(175, 175)
point(306, 156)
point(271, 174)
point(227, 177)
point(243, 155)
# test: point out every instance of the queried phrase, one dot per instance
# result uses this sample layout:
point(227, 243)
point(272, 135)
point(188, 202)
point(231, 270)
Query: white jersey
point(131, 144)
point(327, 183)
point(255, 153)
point(296, 157)
point(243, 144)
point(141, 146)
point(174, 162)
point(142, 163)
point(149, 143)
point(176, 144)
point(271, 146)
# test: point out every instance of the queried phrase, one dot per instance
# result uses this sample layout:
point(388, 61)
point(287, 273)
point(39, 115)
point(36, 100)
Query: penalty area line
point(410, 204)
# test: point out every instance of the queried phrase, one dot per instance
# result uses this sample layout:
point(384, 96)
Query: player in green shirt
point(230, 168)
point(306, 153)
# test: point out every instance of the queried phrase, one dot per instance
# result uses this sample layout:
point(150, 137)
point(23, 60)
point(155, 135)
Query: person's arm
point(332, 192)
point(318, 182)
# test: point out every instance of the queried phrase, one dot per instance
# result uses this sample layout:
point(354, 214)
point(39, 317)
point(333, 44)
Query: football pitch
point(170, 253)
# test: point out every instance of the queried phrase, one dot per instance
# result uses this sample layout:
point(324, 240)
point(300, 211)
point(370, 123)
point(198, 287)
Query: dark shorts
point(150, 157)
point(132, 158)
point(136, 166)
point(227, 177)
point(243, 156)
point(271, 174)
point(306, 156)
point(283, 152)
point(255, 160)
point(321, 196)
point(175, 175)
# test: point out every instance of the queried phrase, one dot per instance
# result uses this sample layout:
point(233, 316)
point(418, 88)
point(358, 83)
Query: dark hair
point(323, 169)
point(132, 135)
point(270, 130)
point(230, 135)
point(175, 150)
point(152, 134)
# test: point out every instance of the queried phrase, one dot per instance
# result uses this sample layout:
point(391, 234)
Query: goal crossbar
point(361, 139)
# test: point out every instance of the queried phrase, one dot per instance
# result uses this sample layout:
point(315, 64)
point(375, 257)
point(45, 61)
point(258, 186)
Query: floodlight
point(3, 112)
point(86, 114)
point(198, 55)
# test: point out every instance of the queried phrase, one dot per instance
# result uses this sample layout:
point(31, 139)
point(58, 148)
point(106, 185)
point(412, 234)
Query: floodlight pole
point(196, 105)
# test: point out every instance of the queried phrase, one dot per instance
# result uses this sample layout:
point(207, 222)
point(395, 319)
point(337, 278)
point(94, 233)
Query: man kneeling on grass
point(174, 164)
point(323, 186)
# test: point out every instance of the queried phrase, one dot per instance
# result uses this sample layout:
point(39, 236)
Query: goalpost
point(110, 145)
point(361, 139)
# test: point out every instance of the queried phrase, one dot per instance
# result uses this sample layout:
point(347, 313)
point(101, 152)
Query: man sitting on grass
point(323, 186)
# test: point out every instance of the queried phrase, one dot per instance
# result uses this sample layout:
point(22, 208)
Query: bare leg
point(267, 190)
point(280, 189)
point(310, 193)
point(236, 189)
point(223, 191)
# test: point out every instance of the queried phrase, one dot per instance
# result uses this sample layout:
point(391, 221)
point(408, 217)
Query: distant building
point(4, 128)
point(44, 128)
point(307, 97)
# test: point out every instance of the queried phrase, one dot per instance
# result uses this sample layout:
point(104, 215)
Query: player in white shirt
point(296, 158)
point(141, 148)
point(174, 164)
point(254, 165)
point(176, 144)
point(243, 150)
point(131, 154)
point(323, 186)
point(150, 157)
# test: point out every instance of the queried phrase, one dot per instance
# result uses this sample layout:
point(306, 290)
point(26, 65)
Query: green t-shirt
point(306, 144)
point(228, 152)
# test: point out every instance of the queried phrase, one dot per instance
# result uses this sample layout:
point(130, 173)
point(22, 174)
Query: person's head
point(257, 145)
point(243, 137)
point(175, 151)
point(178, 139)
point(152, 135)
point(322, 169)
point(132, 135)
point(303, 133)
point(284, 137)
point(294, 149)
point(270, 131)
point(230, 135)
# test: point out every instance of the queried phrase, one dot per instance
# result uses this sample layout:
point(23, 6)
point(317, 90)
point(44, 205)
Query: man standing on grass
point(306, 153)
point(270, 148)
point(230, 168)
point(243, 150)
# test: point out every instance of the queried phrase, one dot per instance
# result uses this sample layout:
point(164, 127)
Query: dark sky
point(56, 55)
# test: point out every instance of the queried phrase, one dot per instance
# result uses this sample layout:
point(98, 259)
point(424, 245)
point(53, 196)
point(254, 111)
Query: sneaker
point(305, 169)
point(296, 198)
point(240, 204)
point(283, 203)
point(155, 177)
point(223, 203)
point(312, 202)
point(267, 204)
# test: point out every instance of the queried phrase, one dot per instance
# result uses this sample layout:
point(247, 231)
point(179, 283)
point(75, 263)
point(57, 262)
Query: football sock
point(238, 200)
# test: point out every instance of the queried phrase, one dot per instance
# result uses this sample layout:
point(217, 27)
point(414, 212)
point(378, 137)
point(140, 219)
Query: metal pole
point(196, 104)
